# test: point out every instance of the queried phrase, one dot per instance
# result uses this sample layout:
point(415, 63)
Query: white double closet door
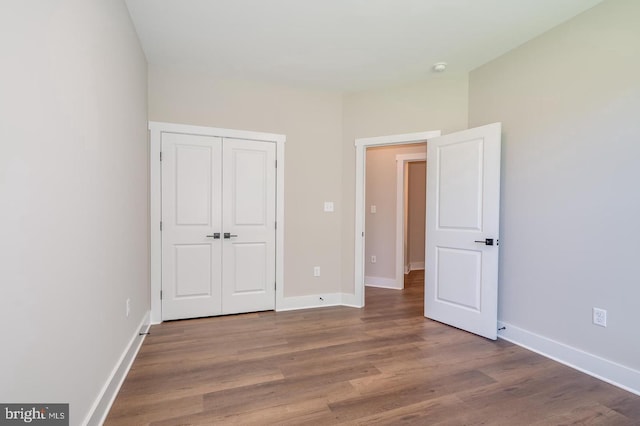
point(218, 226)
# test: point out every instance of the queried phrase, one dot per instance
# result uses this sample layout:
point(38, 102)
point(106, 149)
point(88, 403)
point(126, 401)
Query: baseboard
point(351, 301)
point(416, 266)
point(309, 301)
point(102, 404)
point(381, 282)
point(600, 368)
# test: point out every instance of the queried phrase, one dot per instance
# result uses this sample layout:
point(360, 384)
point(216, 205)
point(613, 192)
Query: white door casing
point(463, 198)
point(248, 255)
point(157, 131)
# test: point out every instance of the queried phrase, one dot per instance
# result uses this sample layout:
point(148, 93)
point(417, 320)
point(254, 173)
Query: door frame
point(402, 161)
point(155, 207)
point(359, 236)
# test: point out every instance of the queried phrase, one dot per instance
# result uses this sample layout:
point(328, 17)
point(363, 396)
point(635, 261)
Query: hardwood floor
point(384, 364)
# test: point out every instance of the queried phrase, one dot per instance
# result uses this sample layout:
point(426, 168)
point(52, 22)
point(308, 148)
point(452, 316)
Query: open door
point(463, 199)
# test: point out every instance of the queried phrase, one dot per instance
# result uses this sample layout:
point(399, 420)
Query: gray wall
point(73, 185)
point(570, 213)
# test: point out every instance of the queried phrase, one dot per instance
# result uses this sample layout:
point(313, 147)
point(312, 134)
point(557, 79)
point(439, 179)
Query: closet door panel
point(248, 214)
point(191, 198)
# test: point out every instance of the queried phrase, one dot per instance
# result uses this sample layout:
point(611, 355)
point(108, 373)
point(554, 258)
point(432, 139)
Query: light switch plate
point(328, 206)
point(373, 209)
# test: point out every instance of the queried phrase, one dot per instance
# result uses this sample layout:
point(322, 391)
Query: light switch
point(373, 208)
point(328, 206)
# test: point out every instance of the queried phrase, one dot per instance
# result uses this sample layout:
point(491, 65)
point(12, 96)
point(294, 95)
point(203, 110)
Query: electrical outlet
point(373, 259)
point(328, 206)
point(600, 317)
point(128, 307)
point(316, 271)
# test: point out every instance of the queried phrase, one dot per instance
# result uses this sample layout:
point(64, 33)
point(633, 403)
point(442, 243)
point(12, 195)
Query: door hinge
point(160, 294)
point(275, 285)
point(161, 225)
point(276, 164)
point(160, 155)
point(276, 225)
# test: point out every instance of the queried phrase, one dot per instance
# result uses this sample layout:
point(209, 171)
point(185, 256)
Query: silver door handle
point(215, 236)
point(228, 235)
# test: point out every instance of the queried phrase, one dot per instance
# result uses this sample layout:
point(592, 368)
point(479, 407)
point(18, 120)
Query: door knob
point(228, 235)
point(486, 241)
point(215, 236)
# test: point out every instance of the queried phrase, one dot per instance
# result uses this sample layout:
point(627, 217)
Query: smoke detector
point(439, 66)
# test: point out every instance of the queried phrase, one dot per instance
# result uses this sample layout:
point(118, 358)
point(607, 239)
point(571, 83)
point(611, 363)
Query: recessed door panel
point(249, 169)
point(460, 185)
point(249, 280)
point(459, 277)
point(193, 270)
point(193, 172)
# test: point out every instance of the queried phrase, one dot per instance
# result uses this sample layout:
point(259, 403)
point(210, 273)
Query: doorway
point(360, 216)
point(463, 197)
point(395, 191)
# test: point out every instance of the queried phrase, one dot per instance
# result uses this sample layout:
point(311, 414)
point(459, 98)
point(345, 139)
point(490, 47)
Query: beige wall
point(380, 227)
point(73, 184)
point(312, 122)
point(437, 103)
point(320, 156)
point(569, 103)
point(416, 212)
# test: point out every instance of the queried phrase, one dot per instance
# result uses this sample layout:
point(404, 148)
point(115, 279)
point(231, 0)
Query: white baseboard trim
point(381, 282)
point(593, 365)
point(416, 266)
point(313, 301)
point(98, 412)
point(309, 301)
point(351, 301)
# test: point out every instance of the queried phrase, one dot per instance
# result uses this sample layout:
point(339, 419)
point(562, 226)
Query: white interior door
point(463, 197)
point(249, 222)
point(218, 226)
point(191, 196)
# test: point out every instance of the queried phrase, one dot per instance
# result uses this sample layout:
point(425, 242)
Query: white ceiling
point(340, 44)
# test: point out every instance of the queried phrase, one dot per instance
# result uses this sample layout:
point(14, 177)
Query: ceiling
point(344, 45)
